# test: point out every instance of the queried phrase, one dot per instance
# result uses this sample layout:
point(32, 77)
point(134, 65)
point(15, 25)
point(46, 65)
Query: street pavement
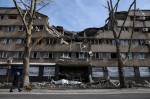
point(140, 93)
point(76, 96)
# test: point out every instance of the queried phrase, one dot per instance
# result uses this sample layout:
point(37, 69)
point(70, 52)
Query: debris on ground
point(70, 84)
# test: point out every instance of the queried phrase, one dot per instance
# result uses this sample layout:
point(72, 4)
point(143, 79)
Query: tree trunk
point(120, 67)
point(26, 61)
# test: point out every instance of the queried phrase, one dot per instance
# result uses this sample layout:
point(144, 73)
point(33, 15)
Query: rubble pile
point(66, 84)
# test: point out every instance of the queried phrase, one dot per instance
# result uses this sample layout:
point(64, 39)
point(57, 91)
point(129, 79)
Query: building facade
point(74, 55)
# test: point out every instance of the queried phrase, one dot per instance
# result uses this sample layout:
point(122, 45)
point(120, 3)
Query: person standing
point(16, 82)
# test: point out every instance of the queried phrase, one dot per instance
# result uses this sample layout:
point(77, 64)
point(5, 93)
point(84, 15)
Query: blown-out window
point(49, 55)
point(18, 54)
point(9, 28)
point(12, 16)
point(111, 42)
point(111, 55)
point(20, 41)
point(124, 42)
point(1, 16)
point(97, 55)
point(141, 55)
point(124, 55)
point(65, 55)
point(51, 41)
point(4, 54)
point(37, 28)
point(35, 55)
point(22, 28)
point(96, 41)
point(81, 55)
point(139, 42)
point(7, 41)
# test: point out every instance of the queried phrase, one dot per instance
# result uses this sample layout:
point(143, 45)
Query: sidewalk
point(85, 91)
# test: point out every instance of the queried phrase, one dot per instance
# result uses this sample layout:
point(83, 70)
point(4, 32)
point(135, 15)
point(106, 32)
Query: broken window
point(1, 16)
point(113, 71)
point(111, 55)
point(33, 41)
point(7, 41)
point(49, 55)
point(97, 72)
point(34, 71)
point(4, 54)
point(22, 28)
point(144, 71)
point(81, 55)
point(35, 55)
point(49, 71)
point(51, 41)
point(111, 42)
point(123, 29)
point(12, 17)
point(96, 41)
point(138, 18)
point(136, 29)
point(0, 27)
point(97, 55)
point(65, 55)
point(139, 42)
point(129, 72)
point(124, 42)
point(124, 55)
point(141, 55)
point(9, 28)
point(18, 54)
point(37, 28)
point(20, 41)
point(147, 18)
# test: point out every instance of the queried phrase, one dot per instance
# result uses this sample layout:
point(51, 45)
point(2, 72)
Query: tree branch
point(36, 41)
point(21, 14)
point(43, 6)
point(131, 34)
point(125, 19)
point(116, 6)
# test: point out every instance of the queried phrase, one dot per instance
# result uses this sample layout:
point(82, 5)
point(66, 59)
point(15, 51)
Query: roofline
point(22, 9)
point(7, 7)
point(133, 10)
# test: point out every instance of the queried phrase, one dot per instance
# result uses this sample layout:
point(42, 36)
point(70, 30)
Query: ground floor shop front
point(75, 73)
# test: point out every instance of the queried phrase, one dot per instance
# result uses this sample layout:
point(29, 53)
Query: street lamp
point(8, 68)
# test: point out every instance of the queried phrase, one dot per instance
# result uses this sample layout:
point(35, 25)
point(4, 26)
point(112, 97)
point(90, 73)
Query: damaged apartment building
point(70, 55)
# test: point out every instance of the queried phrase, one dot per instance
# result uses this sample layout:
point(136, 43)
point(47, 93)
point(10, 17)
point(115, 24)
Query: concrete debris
point(146, 83)
point(69, 84)
point(130, 84)
point(64, 81)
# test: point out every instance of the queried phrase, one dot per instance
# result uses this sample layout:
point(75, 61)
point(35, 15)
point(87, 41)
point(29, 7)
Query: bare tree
point(28, 16)
point(112, 20)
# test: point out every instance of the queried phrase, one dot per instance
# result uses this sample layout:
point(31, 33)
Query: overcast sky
point(76, 15)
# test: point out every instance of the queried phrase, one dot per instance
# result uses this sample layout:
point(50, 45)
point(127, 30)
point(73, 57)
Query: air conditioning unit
point(147, 42)
point(90, 53)
point(145, 29)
